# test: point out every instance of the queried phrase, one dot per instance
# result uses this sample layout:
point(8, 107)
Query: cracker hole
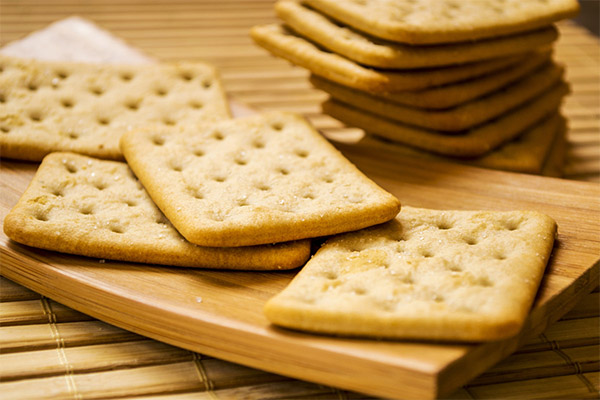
point(168, 121)
point(116, 228)
point(426, 253)
point(511, 225)
point(277, 126)
point(301, 153)
point(500, 256)
point(58, 192)
point(327, 179)
point(71, 168)
point(98, 91)
point(455, 268)
point(360, 291)
point(262, 186)
point(218, 135)
point(32, 86)
point(443, 225)
point(2, 98)
point(86, 210)
point(258, 144)
point(161, 92)
point(133, 105)
point(207, 83)
point(187, 76)
point(195, 193)
point(309, 196)
point(158, 140)
point(198, 152)
point(130, 203)
point(103, 121)
point(471, 241)
point(67, 103)
point(241, 161)
point(35, 116)
point(100, 185)
point(126, 76)
point(62, 74)
point(40, 216)
point(437, 298)
point(196, 104)
point(4, 129)
point(331, 275)
point(219, 178)
point(484, 281)
point(73, 135)
point(242, 202)
point(283, 171)
point(408, 280)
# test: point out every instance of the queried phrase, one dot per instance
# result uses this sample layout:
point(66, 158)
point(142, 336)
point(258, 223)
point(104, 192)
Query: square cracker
point(97, 208)
point(374, 52)
point(471, 143)
point(262, 179)
point(537, 150)
point(85, 108)
point(283, 43)
point(445, 21)
point(459, 118)
point(429, 274)
point(455, 94)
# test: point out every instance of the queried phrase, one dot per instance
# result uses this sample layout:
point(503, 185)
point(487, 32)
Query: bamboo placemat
point(51, 351)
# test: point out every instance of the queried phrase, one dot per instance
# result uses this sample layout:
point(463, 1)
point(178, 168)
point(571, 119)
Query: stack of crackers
point(469, 81)
point(199, 189)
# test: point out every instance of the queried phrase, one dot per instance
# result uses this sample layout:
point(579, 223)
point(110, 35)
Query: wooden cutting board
point(219, 313)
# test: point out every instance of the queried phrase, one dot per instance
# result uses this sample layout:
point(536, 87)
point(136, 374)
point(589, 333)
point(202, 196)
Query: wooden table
point(107, 361)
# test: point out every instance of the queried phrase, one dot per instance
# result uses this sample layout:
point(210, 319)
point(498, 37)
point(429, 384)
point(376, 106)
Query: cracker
point(455, 119)
point(445, 21)
point(535, 151)
point(378, 53)
point(472, 143)
point(283, 43)
point(455, 94)
point(85, 108)
point(80, 205)
point(262, 179)
point(429, 274)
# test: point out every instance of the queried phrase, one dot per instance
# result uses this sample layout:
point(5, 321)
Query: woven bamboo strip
point(271, 391)
point(37, 311)
point(542, 364)
point(92, 358)
point(565, 334)
point(42, 336)
point(582, 386)
point(10, 291)
point(199, 374)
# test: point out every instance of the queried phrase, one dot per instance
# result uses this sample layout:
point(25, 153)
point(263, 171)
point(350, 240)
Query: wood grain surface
point(227, 323)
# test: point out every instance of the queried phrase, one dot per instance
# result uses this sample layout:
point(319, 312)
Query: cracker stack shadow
point(464, 82)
